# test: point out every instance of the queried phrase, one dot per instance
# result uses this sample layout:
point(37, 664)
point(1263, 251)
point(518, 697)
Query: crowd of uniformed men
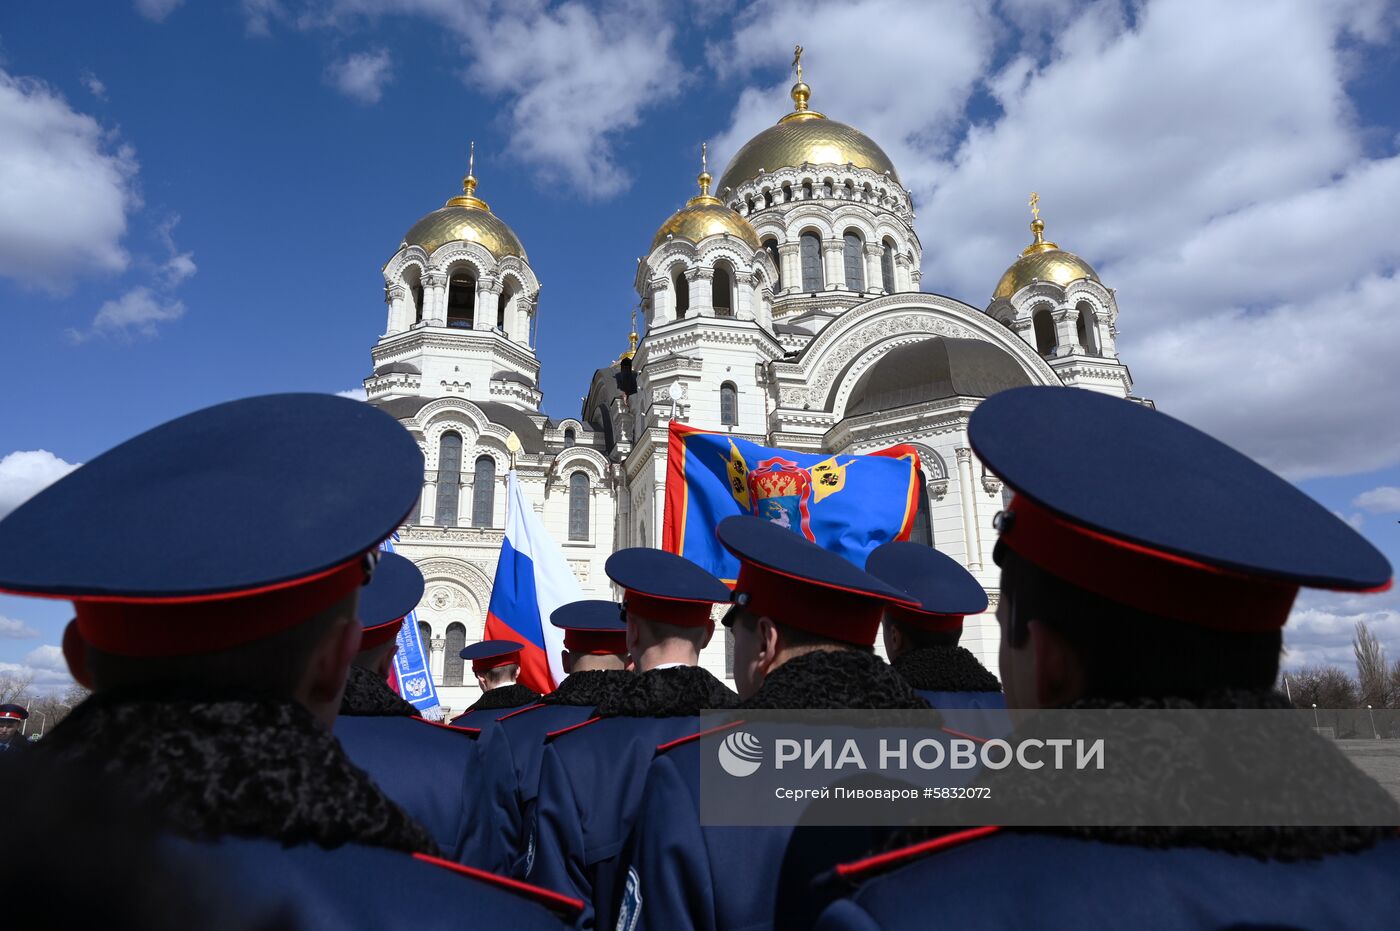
point(243, 762)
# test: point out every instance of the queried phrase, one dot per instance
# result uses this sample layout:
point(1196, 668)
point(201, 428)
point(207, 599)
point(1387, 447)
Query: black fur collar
point(835, 679)
point(233, 765)
point(945, 669)
point(588, 689)
point(667, 693)
point(1326, 774)
point(366, 695)
point(514, 695)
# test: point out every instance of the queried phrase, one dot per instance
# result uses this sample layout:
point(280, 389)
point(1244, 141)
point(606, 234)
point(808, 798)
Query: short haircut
point(795, 638)
point(501, 675)
point(922, 639)
point(1129, 653)
point(273, 666)
point(651, 632)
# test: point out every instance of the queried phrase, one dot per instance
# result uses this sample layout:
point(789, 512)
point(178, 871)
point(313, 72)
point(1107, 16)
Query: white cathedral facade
point(785, 308)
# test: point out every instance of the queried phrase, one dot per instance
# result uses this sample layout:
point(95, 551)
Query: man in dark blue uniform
point(804, 622)
point(591, 775)
point(595, 658)
point(1165, 582)
point(922, 642)
point(215, 564)
point(426, 767)
point(12, 718)
point(496, 665)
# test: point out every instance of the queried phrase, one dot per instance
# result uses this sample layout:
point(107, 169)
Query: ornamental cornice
point(885, 192)
point(912, 424)
point(1115, 372)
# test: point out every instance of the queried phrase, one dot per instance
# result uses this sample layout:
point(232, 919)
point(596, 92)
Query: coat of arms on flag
point(849, 504)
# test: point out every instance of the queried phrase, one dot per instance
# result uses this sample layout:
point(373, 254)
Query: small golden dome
point(705, 215)
point(804, 137)
point(466, 218)
point(1042, 261)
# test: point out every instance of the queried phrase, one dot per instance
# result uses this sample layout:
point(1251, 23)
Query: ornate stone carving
point(938, 488)
point(964, 454)
point(990, 484)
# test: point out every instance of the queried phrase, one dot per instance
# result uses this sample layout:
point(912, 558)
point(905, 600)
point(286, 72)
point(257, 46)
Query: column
point(743, 287)
point(834, 264)
point(426, 513)
point(396, 297)
point(902, 279)
point(702, 292)
point(435, 298)
point(1067, 332)
point(873, 280)
point(658, 502)
point(438, 649)
point(763, 309)
point(967, 491)
point(663, 304)
point(1108, 338)
point(488, 295)
point(790, 254)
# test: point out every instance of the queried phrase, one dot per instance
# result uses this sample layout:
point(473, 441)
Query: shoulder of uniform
point(565, 905)
point(511, 714)
point(469, 731)
point(572, 727)
point(691, 738)
point(859, 870)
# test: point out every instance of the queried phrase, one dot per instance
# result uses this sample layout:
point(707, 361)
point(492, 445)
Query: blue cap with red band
point(488, 654)
point(1142, 509)
point(798, 584)
point(592, 626)
point(219, 527)
point(395, 590)
point(11, 712)
point(662, 586)
point(946, 592)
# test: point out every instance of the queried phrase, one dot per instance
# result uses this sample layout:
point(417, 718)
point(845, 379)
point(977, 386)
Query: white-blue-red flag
point(410, 675)
point(532, 579)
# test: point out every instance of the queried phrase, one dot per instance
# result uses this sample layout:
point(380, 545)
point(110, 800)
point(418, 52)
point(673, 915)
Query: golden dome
point(804, 136)
point(705, 215)
point(466, 218)
point(1042, 261)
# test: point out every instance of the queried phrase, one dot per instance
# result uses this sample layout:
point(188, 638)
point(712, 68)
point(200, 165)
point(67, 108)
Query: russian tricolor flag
point(532, 579)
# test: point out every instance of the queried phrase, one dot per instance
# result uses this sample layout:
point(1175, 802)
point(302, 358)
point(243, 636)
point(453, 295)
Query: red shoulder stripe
point(662, 748)
point(892, 857)
point(522, 711)
point(560, 903)
point(980, 740)
point(470, 731)
point(572, 727)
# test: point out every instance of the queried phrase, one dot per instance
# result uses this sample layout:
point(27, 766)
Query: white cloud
point(1321, 627)
point(354, 394)
point(94, 86)
point(135, 314)
point(67, 189)
point(1383, 500)
point(25, 473)
point(12, 629)
point(178, 266)
point(156, 10)
point(362, 75)
point(47, 668)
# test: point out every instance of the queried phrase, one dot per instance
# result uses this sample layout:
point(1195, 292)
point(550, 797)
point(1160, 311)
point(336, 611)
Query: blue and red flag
point(410, 675)
point(846, 504)
point(532, 580)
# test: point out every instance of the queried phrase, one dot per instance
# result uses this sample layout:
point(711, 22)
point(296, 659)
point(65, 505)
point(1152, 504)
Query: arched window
point(854, 251)
point(449, 479)
point(578, 506)
point(787, 192)
point(425, 637)
point(828, 188)
point(922, 531)
point(772, 246)
point(748, 202)
point(570, 437)
point(728, 404)
point(483, 491)
point(887, 266)
point(461, 301)
point(850, 190)
point(501, 305)
point(768, 197)
point(1088, 331)
point(811, 250)
point(1044, 332)
point(451, 655)
point(414, 281)
point(722, 290)
point(682, 295)
point(806, 190)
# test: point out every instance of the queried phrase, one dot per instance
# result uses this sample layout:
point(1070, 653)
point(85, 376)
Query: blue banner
point(412, 677)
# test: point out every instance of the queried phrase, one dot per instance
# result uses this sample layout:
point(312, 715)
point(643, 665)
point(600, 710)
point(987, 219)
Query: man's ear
point(567, 659)
point(330, 663)
point(1059, 674)
point(709, 634)
point(766, 633)
point(386, 662)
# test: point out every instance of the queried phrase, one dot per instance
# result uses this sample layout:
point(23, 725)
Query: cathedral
point(783, 303)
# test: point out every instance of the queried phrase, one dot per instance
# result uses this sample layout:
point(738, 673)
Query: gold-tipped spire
point(703, 179)
point(468, 196)
point(631, 339)
point(1040, 244)
point(801, 93)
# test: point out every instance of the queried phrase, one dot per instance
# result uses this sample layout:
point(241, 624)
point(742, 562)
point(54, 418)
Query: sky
point(196, 200)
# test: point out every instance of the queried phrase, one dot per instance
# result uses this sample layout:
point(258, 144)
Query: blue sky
point(196, 198)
